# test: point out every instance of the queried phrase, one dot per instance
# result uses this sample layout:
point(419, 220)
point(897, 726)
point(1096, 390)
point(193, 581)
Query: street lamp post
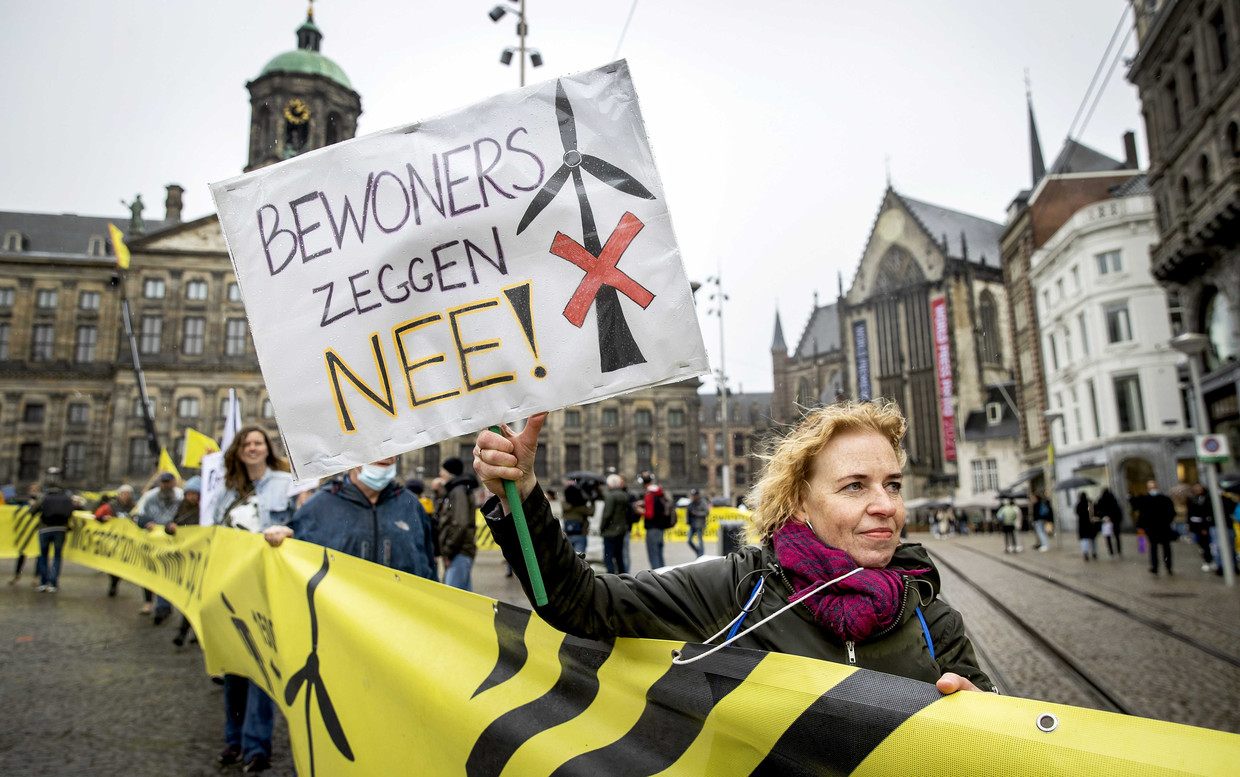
point(1051, 417)
point(718, 298)
point(505, 56)
point(1192, 345)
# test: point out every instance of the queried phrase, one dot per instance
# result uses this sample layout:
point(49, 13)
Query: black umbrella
point(1014, 493)
point(1229, 481)
point(1064, 485)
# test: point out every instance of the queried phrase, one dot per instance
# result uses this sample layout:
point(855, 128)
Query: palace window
point(193, 335)
point(153, 288)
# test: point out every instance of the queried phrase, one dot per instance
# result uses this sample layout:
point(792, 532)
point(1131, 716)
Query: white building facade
point(1110, 371)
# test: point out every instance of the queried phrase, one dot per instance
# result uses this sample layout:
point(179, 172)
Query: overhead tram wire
point(1098, 70)
point(625, 31)
point(1119, 52)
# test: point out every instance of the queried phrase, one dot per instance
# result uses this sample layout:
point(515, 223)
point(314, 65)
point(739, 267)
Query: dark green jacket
point(615, 521)
point(693, 602)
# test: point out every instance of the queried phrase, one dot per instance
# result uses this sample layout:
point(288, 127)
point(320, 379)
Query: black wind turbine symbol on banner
point(617, 348)
point(309, 674)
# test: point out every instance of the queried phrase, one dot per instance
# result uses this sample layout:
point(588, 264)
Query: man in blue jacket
point(365, 514)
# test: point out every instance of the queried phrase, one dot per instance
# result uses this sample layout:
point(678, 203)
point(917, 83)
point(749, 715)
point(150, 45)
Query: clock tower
point(300, 101)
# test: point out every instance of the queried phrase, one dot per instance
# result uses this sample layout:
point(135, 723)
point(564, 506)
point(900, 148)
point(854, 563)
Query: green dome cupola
point(300, 101)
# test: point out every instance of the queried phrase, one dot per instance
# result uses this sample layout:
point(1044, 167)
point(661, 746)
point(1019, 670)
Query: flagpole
point(122, 263)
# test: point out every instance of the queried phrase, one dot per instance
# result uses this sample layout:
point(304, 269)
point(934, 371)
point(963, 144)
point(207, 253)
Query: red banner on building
point(943, 369)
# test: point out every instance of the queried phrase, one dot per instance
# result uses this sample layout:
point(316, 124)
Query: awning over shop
point(1024, 477)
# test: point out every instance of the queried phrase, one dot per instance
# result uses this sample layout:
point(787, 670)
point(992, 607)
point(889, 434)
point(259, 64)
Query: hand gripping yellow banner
point(379, 673)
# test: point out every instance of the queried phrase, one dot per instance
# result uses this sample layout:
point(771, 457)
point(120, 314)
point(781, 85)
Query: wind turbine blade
point(294, 684)
point(564, 111)
point(331, 721)
point(544, 197)
point(614, 177)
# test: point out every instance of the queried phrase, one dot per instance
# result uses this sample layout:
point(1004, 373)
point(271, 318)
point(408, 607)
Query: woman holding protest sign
point(827, 525)
point(256, 496)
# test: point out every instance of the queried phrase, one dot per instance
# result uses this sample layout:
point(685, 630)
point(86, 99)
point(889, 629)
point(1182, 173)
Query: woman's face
point(853, 501)
point(253, 449)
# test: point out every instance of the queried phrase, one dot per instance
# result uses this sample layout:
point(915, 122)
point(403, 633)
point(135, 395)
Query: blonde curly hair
point(784, 482)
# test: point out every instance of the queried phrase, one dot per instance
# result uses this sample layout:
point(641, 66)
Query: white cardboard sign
point(427, 281)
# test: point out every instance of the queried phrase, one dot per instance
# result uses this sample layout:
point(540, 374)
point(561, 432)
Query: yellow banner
point(196, 444)
point(118, 246)
point(380, 673)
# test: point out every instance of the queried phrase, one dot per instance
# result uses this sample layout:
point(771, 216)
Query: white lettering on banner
point(943, 368)
point(428, 281)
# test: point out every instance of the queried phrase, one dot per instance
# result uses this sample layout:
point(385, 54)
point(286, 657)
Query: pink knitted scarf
point(854, 608)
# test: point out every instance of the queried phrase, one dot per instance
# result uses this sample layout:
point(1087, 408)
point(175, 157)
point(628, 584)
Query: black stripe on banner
point(27, 526)
point(575, 689)
point(510, 624)
point(676, 708)
point(845, 724)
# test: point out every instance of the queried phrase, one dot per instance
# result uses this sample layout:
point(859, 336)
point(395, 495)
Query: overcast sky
point(772, 123)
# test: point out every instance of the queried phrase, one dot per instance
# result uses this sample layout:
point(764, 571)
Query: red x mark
point(601, 269)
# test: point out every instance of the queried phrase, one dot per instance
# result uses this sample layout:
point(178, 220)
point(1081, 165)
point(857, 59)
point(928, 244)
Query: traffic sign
point(1212, 448)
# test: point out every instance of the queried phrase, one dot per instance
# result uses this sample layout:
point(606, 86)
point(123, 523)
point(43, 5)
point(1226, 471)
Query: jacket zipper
point(850, 645)
point(374, 519)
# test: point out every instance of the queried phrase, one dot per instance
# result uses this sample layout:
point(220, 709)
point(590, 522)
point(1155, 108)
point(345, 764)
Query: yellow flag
point(165, 463)
point(118, 246)
point(196, 444)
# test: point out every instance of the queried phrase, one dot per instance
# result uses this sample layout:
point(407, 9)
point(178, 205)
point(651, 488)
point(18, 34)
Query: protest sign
point(430, 280)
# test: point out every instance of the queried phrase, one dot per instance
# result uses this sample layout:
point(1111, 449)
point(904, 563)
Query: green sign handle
point(523, 536)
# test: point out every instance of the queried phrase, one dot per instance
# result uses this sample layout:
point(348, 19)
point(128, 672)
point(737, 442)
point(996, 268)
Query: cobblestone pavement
point(90, 687)
point(1151, 673)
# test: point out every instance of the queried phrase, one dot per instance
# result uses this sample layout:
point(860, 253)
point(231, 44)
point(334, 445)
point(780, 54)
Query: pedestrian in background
point(365, 514)
point(578, 508)
point(696, 514)
point(1156, 514)
point(657, 512)
point(457, 525)
point(1200, 519)
point(1042, 513)
point(54, 508)
point(256, 483)
point(614, 524)
point(1086, 527)
point(1009, 517)
point(156, 509)
point(1107, 507)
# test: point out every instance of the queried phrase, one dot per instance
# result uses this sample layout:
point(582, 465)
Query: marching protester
point(55, 509)
point(187, 515)
point(364, 514)
point(696, 514)
point(256, 483)
point(122, 505)
point(456, 524)
point(614, 524)
point(828, 505)
point(32, 499)
point(156, 509)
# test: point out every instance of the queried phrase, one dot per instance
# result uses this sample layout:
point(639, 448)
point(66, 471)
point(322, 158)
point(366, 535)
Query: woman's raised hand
point(508, 456)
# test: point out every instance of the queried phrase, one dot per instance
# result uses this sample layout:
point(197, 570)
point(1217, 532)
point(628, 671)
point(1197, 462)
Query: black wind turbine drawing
point(617, 348)
point(309, 674)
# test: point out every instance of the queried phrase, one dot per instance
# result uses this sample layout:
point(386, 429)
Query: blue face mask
point(376, 478)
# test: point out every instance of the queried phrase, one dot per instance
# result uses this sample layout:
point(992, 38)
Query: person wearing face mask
point(366, 514)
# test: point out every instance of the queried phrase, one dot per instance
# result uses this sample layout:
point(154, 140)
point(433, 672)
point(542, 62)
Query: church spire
point(778, 343)
point(1035, 146)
